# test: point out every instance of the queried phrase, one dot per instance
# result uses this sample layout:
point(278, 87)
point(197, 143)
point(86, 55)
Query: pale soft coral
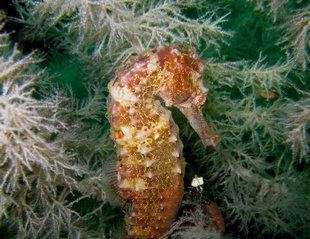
point(111, 31)
point(298, 123)
point(33, 162)
point(26, 124)
point(296, 35)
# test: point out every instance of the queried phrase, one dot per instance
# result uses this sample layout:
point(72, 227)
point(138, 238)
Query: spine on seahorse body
point(150, 169)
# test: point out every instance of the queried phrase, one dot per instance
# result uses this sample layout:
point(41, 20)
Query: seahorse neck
point(139, 80)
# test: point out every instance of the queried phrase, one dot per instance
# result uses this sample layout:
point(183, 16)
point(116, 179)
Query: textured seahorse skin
point(150, 169)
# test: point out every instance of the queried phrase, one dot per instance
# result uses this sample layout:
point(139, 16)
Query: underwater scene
point(168, 119)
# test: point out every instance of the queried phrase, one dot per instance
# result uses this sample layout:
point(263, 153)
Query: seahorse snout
point(195, 118)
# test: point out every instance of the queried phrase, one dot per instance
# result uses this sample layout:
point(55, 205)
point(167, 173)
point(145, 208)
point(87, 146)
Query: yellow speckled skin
point(150, 169)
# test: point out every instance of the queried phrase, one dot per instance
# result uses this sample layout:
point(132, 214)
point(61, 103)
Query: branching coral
point(32, 163)
point(119, 29)
point(259, 172)
point(295, 28)
point(296, 35)
point(298, 123)
point(273, 7)
point(252, 77)
point(39, 151)
point(253, 164)
point(194, 223)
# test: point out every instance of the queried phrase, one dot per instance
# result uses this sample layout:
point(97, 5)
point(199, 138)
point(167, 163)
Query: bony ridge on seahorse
point(150, 166)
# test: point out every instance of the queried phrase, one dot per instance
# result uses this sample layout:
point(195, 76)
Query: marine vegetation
point(58, 161)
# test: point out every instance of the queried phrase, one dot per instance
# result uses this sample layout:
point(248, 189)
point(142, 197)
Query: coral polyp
point(150, 169)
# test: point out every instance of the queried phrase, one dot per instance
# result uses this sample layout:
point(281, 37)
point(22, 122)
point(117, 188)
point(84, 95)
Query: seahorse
point(150, 167)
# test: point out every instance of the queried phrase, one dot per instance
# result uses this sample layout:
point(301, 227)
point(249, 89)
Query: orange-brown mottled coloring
point(150, 169)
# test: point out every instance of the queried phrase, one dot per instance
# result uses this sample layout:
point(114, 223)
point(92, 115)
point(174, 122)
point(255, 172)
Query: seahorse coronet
point(150, 168)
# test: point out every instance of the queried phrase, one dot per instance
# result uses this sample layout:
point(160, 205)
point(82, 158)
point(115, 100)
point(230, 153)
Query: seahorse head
point(182, 86)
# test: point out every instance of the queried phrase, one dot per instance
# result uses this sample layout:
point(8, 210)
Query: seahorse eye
point(200, 99)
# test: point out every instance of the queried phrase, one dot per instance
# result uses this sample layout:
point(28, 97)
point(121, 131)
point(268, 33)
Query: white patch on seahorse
point(176, 153)
point(139, 184)
point(123, 95)
point(136, 184)
point(173, 138)
point(145, 149)
point(129, 132)
point(152, 65)
point(124, 184)
point(148, 162)
point(175, 51)
point(123, 151)
point(177, 169)
point(156, 135)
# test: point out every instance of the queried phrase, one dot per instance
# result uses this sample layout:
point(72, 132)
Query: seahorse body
point(150, 169)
